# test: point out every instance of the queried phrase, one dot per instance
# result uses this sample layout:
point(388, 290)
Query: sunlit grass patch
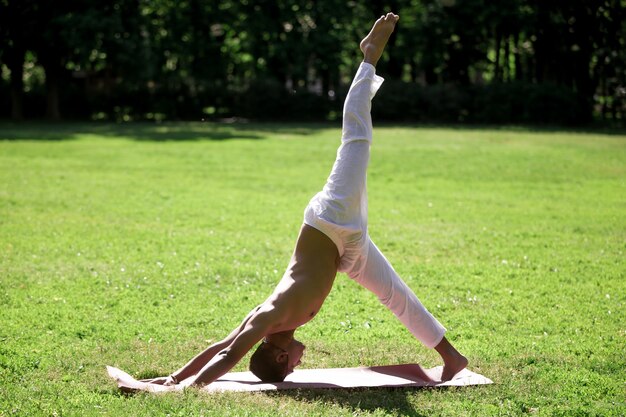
point(137, 245)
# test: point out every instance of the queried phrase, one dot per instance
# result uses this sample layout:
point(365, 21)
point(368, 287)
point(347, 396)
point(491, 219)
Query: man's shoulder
point(268, 315)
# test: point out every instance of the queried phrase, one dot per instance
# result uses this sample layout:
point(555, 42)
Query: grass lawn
point(137, 245)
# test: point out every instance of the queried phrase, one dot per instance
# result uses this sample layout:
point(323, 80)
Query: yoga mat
point(407, 375)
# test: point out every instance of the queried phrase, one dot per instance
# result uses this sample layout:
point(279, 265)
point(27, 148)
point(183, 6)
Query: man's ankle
point(370, 61)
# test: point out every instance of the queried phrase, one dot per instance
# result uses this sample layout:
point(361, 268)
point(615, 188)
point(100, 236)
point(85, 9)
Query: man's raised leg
point(374, 43)
point(340, 209)
point(357, 121)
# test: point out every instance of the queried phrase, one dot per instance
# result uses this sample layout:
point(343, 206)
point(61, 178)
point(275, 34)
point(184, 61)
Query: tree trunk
point(581, 60)
point(52, 101)
point(325, 76)
point(52, 71)
point(543, 33)
point(516, 56)
point(414, 70)
point(506, 67)
point(16, 66)
point(430, 75)
point(496, 71)
point(604, 97)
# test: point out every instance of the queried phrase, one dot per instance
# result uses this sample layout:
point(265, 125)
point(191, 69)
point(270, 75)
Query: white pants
point(340, 212)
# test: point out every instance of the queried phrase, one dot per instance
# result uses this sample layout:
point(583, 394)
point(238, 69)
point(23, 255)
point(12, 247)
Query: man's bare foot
point(374, 43)
point(453, 367)
point(453, 361)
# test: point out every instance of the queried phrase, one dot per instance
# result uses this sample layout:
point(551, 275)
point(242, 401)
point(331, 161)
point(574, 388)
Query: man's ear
point(282, 357)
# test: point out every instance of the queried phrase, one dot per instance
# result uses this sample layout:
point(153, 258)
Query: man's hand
point(162, 380)
point(189, 382)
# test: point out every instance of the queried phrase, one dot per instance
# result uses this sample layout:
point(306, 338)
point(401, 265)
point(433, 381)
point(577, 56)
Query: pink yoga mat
point(407, 375)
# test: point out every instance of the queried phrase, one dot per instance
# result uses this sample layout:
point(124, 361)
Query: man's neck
point(281, 339)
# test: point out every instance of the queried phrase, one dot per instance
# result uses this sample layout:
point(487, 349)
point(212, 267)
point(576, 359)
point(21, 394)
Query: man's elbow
point(228, 357)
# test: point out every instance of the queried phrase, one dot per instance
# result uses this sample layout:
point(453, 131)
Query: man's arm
point(254, 330)
point(199, 361)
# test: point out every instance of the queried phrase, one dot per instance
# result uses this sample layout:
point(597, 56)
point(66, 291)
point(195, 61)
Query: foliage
point(137, 244)
point(129, 58)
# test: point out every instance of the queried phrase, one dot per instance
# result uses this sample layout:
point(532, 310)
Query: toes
point(390, 17)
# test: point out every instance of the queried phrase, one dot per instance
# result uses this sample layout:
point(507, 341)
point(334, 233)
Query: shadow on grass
point(597, 129)
point(157, 132)
point(392, 400)
point(221, 131)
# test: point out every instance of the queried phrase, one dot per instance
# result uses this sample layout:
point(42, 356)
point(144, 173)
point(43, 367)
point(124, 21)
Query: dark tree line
point(504, 61)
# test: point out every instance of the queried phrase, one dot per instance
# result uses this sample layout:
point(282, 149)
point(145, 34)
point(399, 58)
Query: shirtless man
point(333, 238)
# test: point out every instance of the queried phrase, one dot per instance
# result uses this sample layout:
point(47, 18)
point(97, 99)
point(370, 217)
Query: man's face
point(295, 351)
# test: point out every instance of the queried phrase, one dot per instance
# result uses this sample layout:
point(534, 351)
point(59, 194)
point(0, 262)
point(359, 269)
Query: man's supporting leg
point(378, 276)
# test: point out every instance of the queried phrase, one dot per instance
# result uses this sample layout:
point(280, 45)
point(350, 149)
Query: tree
point(15, 33)
point(135, 57)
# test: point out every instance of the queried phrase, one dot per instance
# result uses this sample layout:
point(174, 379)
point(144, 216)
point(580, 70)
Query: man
point(333, 238)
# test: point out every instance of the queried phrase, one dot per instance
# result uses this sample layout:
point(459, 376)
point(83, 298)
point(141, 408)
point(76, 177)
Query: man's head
point(271, 363)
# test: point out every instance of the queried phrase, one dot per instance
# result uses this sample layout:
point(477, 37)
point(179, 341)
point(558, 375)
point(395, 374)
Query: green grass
point(136, 245)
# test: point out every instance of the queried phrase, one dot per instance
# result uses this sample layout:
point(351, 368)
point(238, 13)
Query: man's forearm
point(199, 361)
point(218, 366)
point(253, 330)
